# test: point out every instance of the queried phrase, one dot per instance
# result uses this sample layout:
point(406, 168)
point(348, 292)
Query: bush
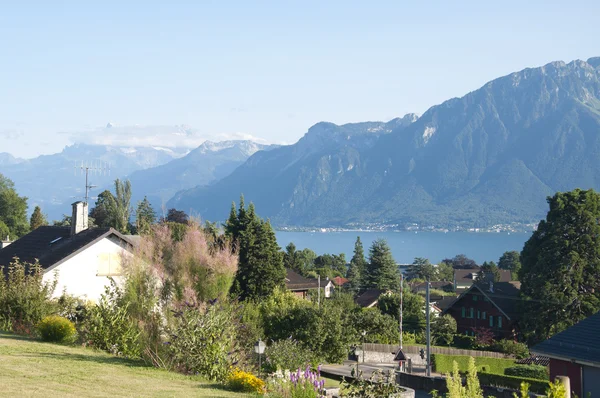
point(519, 350)
point(299, 384)
point(56, 329)
point(25, 299)
point(109, 327)
point(241, 381)
point(203, 340)
point(288, 354)
point(514, 382)
point(463, 342)
point(530, 371)
point(376, 386)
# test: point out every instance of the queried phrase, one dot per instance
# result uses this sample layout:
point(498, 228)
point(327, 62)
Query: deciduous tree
point(13, 209)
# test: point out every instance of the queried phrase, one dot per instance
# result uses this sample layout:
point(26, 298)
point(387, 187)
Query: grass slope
point(33, 369)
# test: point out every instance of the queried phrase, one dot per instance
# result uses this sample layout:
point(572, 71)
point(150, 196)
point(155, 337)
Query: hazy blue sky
point(266, 69)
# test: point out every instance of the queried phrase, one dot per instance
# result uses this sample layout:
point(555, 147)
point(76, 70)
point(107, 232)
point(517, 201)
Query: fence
point(413, 349)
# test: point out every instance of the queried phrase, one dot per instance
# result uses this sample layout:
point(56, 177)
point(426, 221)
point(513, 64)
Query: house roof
point(52, 245)
point(369, 297)
point(534, 360)
point(294, 281)
point(504, 295)
point(339, 281)
point(445, 302)
point(470, 275)
point(433, 285)
point(580, 343)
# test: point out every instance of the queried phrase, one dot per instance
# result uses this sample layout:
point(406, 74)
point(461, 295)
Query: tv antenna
point(98, 168)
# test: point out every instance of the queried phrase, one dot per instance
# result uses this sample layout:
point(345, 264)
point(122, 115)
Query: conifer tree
point(382, 271)
point(358, 266)
point(37, 219)
point(260, 268)
point(145, 216)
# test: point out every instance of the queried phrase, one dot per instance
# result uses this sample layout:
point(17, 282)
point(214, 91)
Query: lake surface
point(407, 245)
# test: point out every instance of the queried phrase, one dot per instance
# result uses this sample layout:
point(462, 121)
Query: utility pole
point(319, 292)
point(401, 298)
point(427, 332)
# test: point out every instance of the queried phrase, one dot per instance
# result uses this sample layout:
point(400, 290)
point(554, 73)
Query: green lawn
point(30, 368)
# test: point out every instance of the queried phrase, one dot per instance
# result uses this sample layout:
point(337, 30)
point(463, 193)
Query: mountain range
point(490, 157)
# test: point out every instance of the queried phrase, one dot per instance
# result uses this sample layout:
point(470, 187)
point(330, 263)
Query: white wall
point(79, 275)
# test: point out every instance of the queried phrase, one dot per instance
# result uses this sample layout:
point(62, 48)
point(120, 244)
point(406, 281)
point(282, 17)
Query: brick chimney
point(79, 219)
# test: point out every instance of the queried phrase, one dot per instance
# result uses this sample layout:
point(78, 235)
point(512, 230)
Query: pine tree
point(358, 266)
point(145, 217)
point(382, 271)
point(37, 219)
point(560, 270)
point(260, 268)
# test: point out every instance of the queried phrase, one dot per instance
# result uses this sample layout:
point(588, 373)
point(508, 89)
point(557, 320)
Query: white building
point(82, 258)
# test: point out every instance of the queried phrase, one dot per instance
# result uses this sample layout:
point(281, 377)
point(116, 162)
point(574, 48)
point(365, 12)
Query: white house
point(82, 258)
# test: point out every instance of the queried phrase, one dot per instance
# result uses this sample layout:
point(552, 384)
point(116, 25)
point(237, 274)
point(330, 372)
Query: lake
point(407, 245)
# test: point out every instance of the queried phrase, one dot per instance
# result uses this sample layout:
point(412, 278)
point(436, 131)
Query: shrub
point(464, 342)
point(288, 354)
point(109, 327)
point(241, 381)
point(443, 329)
point(56, 329)
point(443, 363)
point(514, 382)
point(25, 299)
point(299, 384)
point(529, 371)
point(203, 340)
point(376, 386)
point(519, 350)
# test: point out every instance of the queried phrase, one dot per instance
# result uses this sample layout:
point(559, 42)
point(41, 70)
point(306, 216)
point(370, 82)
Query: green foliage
point(37, 219)
point(330, 265)
point(464, 342)
point(443, 363)
point(530, 371)
point(444, 272)
point(109, 326)
point(144, 217)
point(382, 271)
point(514, 382)
point(13, 210)
point(288, 354)
point(261, 267)
point(511, 261)
point(511, 347)
point(413, 316)
point(556, 390)
point(454, 383)
point(25, 299)
point(489, 272)
point(379, 385)
point(560, 271)
point(421, 268)
point(241, 381)
point(358, 267)
point(443, 329)
point(380, 328)
point(203, 340)
point(56, 329)
point(100, 212)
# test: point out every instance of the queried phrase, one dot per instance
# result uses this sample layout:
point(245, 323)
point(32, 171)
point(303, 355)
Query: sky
point(258, 69)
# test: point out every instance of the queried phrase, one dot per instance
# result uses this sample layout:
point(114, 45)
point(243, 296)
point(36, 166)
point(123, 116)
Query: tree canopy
point(358, 266)
point(560, 272)
point(144, 217)
point(13, 210)
point(37, 219)
point(382, 270)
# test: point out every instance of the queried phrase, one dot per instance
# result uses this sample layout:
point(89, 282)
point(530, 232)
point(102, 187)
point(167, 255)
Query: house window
point(483, 315)
point(109, 264)
point(500, 321)
point(463, 310)
point(471, 314)
point(478, 314)
point(491, 321)
point(474, 297)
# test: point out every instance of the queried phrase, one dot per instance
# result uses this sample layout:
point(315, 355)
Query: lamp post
point(364, 333)
point(358, 351)
point(259, 348)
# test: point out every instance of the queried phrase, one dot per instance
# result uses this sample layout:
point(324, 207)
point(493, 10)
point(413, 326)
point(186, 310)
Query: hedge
point(443, 363)
point(513, 382)
point(530, 371)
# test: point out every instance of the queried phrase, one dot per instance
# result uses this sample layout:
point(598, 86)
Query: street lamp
point(259, 348)
point(358, 351)
point(364, 333)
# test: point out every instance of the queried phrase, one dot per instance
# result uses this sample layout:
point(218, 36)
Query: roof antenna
point(100, 168)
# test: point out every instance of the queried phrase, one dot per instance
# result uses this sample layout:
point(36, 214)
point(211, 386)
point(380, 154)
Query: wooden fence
point(414, 349)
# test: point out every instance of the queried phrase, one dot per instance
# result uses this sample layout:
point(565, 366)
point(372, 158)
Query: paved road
point(367, 370)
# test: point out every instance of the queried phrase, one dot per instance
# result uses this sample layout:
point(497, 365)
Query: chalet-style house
point(490, 305)
point(81, 258)
point(464, 278)
point(575, 353)
point(300, 285)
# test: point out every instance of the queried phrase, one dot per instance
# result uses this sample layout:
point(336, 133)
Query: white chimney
point(5, 243)
point(79, 219)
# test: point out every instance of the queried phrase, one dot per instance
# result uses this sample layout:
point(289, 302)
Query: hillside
point(487, 158)
point(34, 369)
